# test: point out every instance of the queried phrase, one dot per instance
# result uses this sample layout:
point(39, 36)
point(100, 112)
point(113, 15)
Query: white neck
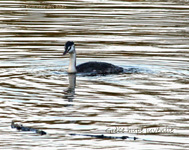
point(72, 64)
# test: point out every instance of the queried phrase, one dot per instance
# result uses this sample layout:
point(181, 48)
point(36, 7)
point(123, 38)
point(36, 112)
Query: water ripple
point(151, 36)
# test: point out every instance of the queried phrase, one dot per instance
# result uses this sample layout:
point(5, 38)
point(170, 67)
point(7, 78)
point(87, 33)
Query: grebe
point(93, 68)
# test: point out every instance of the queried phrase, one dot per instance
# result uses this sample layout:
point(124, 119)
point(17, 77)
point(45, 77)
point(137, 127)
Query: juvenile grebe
point(93, 68)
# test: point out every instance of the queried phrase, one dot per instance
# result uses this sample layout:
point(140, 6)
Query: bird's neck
point(72, 64)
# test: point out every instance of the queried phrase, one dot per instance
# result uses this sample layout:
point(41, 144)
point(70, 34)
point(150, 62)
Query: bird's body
point(98, 68)
point(93, 68)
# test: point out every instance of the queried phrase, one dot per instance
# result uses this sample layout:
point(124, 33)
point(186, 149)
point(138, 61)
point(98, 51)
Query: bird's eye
point(69, 47)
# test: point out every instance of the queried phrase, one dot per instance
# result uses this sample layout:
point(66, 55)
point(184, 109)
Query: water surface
point(37, 92)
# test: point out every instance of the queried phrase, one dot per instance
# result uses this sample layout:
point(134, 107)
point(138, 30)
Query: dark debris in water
point(102, 136)
point(20, 127)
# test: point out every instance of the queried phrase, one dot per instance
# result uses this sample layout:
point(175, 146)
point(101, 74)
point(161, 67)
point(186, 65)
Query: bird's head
point(69, 47)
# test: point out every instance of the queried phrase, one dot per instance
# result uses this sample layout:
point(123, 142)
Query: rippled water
point(36, 91)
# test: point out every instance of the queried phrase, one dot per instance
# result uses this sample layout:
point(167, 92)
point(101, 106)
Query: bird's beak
point(65, 52)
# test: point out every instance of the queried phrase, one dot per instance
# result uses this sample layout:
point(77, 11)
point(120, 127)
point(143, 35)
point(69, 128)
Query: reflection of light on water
point(149, 36)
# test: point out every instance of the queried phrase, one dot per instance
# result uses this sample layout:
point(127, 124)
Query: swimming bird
point(91, 68)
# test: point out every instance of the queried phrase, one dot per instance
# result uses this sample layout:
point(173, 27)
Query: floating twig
point(102, 136)
point(23, 128)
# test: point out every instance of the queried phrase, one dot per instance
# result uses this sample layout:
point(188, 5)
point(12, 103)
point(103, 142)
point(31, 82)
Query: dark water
point(35, 89)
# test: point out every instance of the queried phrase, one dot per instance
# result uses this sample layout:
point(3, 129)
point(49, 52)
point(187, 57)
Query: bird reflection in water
point(69, 93)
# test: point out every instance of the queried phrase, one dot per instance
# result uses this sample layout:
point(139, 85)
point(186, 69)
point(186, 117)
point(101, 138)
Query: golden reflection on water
point(36, 90)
